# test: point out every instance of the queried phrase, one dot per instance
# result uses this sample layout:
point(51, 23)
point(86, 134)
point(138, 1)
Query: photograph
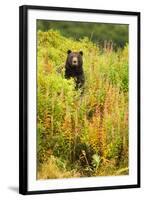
point(79, 99)
point(82, 99)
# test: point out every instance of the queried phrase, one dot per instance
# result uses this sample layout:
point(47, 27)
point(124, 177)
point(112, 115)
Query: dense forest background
point(97, 32)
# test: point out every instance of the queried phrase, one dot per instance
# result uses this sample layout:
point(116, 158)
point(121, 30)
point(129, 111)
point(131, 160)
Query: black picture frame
point(23, 97)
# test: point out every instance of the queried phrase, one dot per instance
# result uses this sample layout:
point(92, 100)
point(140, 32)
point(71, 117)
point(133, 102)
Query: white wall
point(9, 50)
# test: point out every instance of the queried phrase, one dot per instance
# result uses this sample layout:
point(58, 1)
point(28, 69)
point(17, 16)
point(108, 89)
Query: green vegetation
point(81, 134)
point(97, 32)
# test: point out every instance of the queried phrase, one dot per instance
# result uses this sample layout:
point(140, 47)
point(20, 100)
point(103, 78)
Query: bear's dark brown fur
point(74, 67)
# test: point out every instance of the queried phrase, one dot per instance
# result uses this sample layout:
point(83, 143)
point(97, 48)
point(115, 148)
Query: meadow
point(81, 135)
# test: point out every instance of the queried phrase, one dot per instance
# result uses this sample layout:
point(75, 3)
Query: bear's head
point(74, 59)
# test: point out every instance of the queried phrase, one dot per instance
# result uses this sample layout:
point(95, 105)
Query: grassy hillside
point(81, 135)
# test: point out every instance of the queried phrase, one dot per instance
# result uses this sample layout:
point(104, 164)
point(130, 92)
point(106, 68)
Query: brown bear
point(74, 67)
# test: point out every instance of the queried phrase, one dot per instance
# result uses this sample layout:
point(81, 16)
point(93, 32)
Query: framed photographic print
point(79, 100)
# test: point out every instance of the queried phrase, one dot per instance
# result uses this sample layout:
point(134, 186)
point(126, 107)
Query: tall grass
point(81, 135)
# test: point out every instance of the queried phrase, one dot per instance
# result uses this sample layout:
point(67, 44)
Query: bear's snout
point(74, 61)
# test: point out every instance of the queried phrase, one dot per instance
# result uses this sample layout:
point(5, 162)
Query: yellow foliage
point(69, 123)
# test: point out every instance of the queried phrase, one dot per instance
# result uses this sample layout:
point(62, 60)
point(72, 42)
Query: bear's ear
point(81, 53)
point(69, 51)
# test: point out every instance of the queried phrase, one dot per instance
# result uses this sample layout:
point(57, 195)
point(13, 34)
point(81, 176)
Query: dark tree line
point(96, 32)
